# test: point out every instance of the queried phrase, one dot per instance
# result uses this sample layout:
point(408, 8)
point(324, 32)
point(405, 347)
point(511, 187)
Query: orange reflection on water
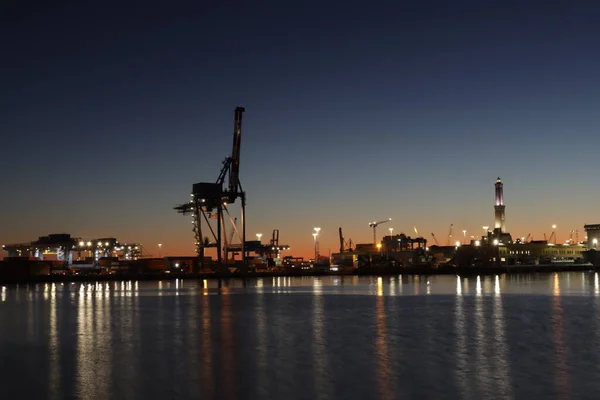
point(321, 371)
point(207, 364)
point(556, 286)
point(384, 376)
point(562, 374)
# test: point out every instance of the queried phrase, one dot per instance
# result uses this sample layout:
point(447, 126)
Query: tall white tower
point(499, 221)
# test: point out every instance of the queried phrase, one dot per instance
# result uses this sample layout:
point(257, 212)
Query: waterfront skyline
point(410, 112)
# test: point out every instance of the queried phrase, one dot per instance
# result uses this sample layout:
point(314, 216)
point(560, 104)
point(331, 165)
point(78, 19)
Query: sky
point(355, 111)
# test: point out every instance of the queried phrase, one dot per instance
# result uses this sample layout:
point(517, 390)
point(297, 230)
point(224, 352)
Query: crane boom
point(434, 238)
point(235, 153)
point(341, 240)
point(374, 226)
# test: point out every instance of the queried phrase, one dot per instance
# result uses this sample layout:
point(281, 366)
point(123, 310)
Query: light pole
point(159, 246)
point(554, 232)
point(258, 236)
point(317, 230)
point(315, 244)
point(464, 236)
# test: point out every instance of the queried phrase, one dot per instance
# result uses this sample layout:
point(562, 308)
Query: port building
point(63, 247)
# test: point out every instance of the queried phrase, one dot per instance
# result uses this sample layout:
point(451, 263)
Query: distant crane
point(374, 226)
point(570, 237)
point(435, 239)
point(450, 234)
point(344, 245)
point(275, 238)
point(528, 238)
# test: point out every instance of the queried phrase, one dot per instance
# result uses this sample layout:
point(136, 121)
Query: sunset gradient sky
point(355, 111)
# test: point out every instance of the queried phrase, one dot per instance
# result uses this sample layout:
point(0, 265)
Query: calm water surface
point(441, 337)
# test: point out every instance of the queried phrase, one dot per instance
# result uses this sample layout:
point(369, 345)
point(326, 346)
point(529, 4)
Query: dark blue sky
point(355, 111)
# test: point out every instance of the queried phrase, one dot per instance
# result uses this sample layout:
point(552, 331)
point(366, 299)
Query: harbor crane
point(345, 245)
point(434, 238)
point(210, 200)
point(374, 225)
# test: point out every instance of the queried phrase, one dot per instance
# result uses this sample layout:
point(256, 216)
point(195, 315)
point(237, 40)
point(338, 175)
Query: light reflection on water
point(483, 337)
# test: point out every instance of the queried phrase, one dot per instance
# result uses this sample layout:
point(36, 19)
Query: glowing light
point(81, 244)
point(497, 285)
point(556, 290)
point(89, 243)
point(458, 286)
point(496, 242)
point(478, 286)
point(258, 236)
point(457, 244)
point(477, 243)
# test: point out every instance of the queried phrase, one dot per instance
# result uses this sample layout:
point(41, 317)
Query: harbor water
point(396, 337)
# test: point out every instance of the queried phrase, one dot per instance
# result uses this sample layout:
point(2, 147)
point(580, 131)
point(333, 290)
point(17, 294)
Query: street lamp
point(315, 243)
point(464, 235)
point(554, 232)
point(258, 236)
point(159, 247)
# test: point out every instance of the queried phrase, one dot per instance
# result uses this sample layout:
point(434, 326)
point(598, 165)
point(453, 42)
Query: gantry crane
point(210, 200)
point(374, 225)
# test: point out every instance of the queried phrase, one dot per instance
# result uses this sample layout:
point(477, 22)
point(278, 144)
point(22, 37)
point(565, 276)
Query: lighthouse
point(499, 218)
